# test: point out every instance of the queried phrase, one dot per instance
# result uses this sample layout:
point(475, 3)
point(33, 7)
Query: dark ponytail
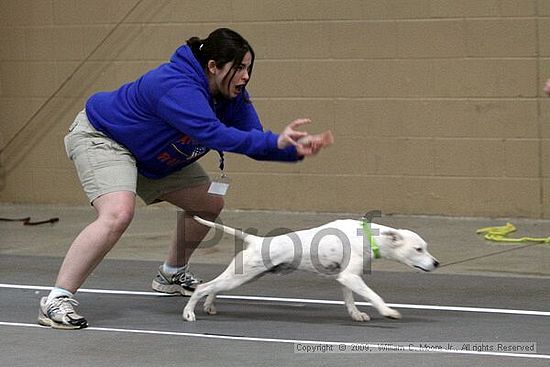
point(194, 43)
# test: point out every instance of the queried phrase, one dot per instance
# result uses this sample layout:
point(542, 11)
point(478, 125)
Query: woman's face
point(223, 82)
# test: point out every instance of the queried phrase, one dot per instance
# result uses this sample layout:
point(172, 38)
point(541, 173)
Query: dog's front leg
point(350, 306)
point(357, 285)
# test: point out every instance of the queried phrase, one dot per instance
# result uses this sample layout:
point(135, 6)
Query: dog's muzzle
point(435, 265)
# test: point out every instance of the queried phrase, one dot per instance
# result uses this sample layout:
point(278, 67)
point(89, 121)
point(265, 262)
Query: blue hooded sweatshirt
point(168, 119)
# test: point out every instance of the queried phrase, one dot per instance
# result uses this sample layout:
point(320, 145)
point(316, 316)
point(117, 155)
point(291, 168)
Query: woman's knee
point(119, 218)
point(216, 206)
point(116, 211)
point(197, 201)
point(210, 208)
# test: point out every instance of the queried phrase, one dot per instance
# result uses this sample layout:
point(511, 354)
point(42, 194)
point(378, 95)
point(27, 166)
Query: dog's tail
point(231, 231)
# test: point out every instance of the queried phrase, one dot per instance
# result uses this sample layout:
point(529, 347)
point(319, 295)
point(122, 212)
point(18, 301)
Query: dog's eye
point(419, 249)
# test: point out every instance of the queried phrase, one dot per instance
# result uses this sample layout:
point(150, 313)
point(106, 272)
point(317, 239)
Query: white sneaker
point(60, 314)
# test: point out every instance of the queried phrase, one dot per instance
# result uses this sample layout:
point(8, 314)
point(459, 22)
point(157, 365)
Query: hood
point(184, 60)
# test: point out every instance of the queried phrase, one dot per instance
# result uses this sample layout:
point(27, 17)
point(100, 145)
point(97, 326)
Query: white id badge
point(219, 186)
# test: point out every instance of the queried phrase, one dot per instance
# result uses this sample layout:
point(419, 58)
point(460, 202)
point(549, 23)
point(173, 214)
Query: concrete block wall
point(436, 105)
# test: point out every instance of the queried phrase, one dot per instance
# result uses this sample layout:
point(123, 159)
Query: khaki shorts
point(104, 166)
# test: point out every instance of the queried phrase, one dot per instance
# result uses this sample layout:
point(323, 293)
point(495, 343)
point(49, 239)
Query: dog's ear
point(393, 235)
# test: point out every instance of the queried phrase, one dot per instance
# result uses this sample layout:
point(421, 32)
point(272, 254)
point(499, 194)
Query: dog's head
point(406, 247)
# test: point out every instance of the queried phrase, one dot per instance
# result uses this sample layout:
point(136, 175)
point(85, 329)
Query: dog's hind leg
point(189, 310)
point(350, 306)
point(209, 306)
point(227, 280)
point(357, 285)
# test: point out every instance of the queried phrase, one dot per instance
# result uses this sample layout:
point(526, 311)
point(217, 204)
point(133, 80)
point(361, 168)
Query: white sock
point(171, 270)
point(59, 292)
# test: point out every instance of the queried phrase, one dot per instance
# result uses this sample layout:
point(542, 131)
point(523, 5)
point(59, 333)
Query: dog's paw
point(210, 309)
point(359, 316)
point(189, 315)
point(391, 314)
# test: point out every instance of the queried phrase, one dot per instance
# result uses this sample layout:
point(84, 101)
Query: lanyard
point(222, 161)
point(221, 185)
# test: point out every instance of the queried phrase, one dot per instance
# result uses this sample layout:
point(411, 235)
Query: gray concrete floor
point(477, 279)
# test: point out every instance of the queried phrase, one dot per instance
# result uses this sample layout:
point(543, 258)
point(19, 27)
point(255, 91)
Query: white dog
point(341, 249)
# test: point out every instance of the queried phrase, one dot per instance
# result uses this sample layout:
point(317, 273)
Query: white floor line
point(290, 341)
point(302, 300)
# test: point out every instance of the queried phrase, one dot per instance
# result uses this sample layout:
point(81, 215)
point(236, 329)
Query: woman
point(145, 138)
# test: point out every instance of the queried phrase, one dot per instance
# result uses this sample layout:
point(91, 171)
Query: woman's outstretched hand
point(306, 145)
point(291, 135)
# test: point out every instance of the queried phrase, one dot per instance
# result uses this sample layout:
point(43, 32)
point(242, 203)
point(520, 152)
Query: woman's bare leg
point(114, 213)
point(188, 235)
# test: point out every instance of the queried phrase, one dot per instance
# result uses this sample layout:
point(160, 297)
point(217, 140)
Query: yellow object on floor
point(500, 234)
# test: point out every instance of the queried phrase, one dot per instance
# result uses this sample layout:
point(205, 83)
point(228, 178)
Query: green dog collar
point(373, 246)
